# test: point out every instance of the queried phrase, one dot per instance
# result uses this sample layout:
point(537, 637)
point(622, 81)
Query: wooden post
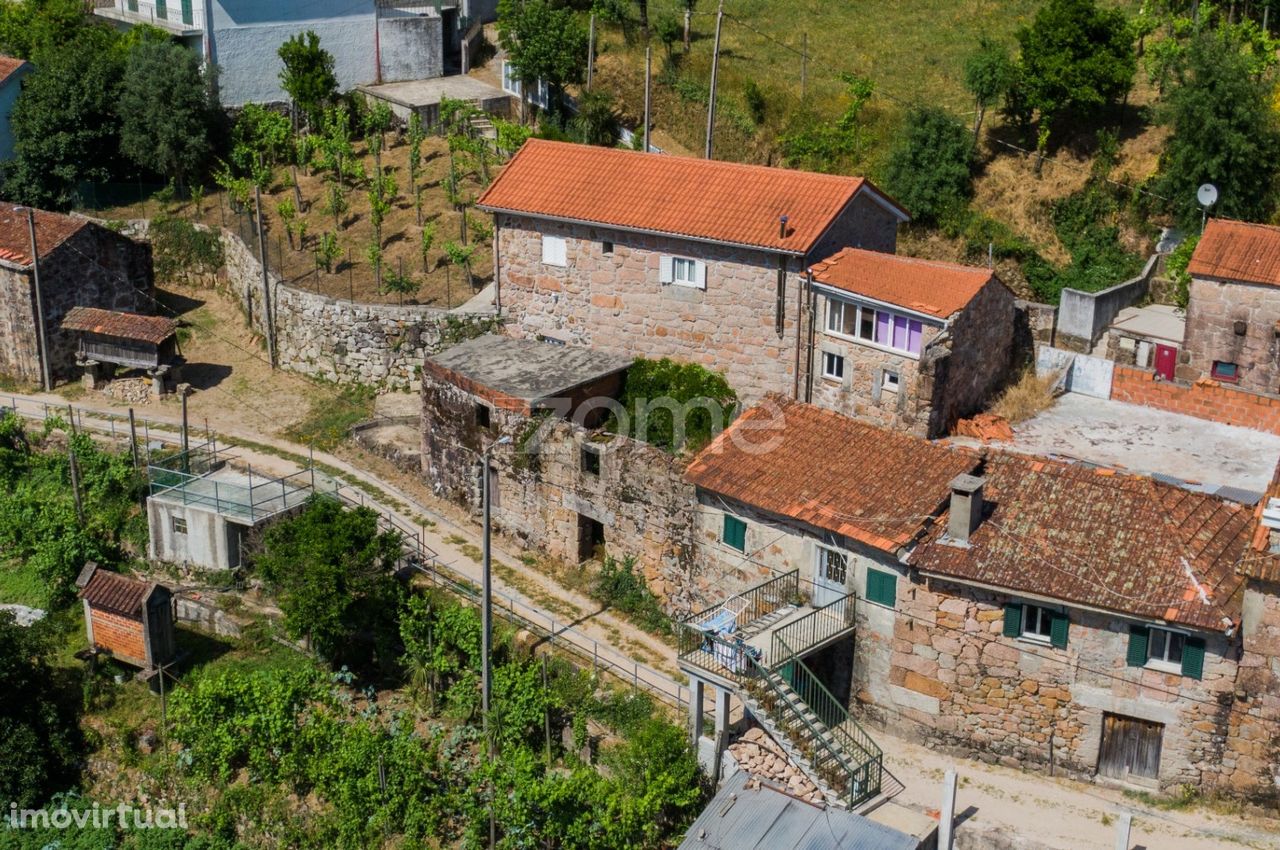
point(75, 482)
point(715, 71)
point(947, 815)
point(648, 88)
point(1124, 824)
point(133, 438)
point(266, 284)
point(591, 52)
point(804, 65)
point(546, 708)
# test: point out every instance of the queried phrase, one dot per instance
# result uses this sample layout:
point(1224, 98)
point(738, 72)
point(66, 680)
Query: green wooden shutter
point(1012, 620)
point(1137, 655)
point(1058, 628)
point(162, 10)
point(188, 17)
point(735, 533)
point(882, 587)
point(1193, 658)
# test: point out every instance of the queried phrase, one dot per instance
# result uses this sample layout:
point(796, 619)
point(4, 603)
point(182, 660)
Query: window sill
point(832, 379)
point(1163, 667)
point(1035, 639)
point(556, 265)
point(885, 606)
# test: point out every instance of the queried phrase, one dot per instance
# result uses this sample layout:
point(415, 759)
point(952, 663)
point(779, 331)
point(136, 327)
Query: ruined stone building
point(908, 343)
point(655, 256)
point(1233, 314)
point(1011, 607)
point(81, 264)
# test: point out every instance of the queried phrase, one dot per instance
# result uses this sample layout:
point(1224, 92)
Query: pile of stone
point(130, 390)
point(760, 756)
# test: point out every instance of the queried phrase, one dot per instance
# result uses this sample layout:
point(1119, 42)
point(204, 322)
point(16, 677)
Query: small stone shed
point(129, 619)
point(129, 340)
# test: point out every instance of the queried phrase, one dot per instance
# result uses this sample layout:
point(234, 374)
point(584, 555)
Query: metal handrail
point(808, 631)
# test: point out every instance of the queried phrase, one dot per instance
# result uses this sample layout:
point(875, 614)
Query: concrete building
point(81, 264)
point(12, 72)
point(656, 256)
point(1148, 337)
point(372, 41)
point(1233, 315)
point(908, 343)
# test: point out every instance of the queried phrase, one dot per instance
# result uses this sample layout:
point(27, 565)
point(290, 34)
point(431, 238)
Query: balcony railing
point(814, 629)
point(731, 620)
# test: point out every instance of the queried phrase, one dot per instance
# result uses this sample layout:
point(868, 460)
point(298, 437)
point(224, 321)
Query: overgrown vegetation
point(620, 586)
point(678, 406)
point(1029, 396)
point(180, 251)
point(333, 415)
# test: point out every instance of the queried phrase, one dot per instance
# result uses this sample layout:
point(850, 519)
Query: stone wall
point(1233, 323)
point(94, 267)
point(1251, 761)
point(1083, 316)
point(1206, 399)
point(341, 341)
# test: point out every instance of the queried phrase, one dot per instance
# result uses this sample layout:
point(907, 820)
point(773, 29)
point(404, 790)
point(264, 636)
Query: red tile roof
point(52, 229)
point(698, 198)
point(153, 329)
point(108, 591)
point(926, 286)
point(1259, 561)
point(1096, 537)
point(832, 472)
point(9, 64)
point(1237, 250)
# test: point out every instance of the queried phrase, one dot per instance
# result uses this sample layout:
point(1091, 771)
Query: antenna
point(1207, 195)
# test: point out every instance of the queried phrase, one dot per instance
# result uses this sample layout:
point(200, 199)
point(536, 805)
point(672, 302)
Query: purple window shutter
point(913, 336)
point(882, 327)
point(900, 332)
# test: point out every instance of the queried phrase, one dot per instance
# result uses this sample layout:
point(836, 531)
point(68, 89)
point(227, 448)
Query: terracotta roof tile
point(1260, 562)
point(9, 64)
point(1118, 541)
point(153, 329)
point(108, 591)
point(1237, 250)
point(52, 229)
point(832, 472)
point(702, 199)
point(938, 289)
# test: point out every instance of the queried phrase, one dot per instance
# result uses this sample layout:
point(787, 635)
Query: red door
point(1166, 361)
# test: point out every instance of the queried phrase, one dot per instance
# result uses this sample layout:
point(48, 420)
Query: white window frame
point(693, 272)
point(555, 251)
point(870, 342)
point(821, 558)
point(891, 386)
point(827, 358)
point(1043, 616)
point(1163, 663)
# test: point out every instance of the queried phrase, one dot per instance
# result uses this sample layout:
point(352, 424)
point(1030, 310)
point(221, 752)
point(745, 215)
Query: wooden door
point(1166, 361)
point(1130, 747)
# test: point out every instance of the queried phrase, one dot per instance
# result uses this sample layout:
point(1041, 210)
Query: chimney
point(782, 227)
point(966, 507)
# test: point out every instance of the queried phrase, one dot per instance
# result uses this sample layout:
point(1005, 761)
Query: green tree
point(288, 214)
point(596, 122)
point(1077, 59)
point(428, 240)
point(166, 128)
point(382, 194)
point(331, 569)
point(28, 27)
point(400, 284)
point(1224, 132)
point(460, 255)
point(543, 40)
point(260, 134)
point(988, 72)
point(327, 252)
point(668, 30)
point(708, 400)
point(307, 76)
point(929, 167)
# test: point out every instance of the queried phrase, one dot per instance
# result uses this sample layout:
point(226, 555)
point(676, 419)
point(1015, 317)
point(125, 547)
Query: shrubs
point(929, 169)
point(674, 405)
point(620, 586)
point(1028, 397)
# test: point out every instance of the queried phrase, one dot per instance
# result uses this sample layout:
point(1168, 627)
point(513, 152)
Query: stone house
point(12, 72)
point(371, 41)
point(81, 264)
point(908, 343)
point(560, 482)
point(1010, 607)
point(657, 256)
point(1233, 314)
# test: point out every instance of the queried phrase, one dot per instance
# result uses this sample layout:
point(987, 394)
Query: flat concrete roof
point(528, 369)
point(419, 93)
point(1206, 455)
point(238, 495)
point(1158, 321)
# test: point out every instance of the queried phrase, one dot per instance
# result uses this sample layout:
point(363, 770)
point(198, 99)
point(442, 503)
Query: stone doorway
point(590, 537)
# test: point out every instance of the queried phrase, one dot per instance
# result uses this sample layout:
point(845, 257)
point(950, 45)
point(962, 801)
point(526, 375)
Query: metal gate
point(1130, 747)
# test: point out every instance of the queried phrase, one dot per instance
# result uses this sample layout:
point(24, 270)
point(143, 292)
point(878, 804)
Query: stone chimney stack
point(966, 507)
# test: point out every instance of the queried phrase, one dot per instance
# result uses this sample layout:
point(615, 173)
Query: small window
point(482, 415)
point(866, 324)
point(1164, 646)
point(882, 587)
point(832, 366)
point(735, 533)
point(1036, 622)
point(1226, 372)
point(890, 381)
point(590, 461)
point(1166, 650)
point(832, 566)
point(682, 271)
point(554, 251)
point(179, 525)
point(842, 318)
point(606, 247)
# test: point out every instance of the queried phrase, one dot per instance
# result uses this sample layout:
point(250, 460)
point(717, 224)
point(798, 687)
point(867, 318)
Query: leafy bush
point(674, 405)
point(1176, 269)
point(929, 168)
point(181, 251)
point(619, 586)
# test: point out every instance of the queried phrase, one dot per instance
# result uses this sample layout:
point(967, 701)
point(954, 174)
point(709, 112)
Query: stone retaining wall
point(1205, 399)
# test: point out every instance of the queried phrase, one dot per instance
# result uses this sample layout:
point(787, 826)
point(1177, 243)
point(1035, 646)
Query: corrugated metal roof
point(741, 817)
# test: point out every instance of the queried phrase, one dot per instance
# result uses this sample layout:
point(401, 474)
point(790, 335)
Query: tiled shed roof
point(52, 229)
point(1259, 561)
point(698, 198)
point(1237, 250)
point(832, 472)
point(153, 329)
point(108, 591)
point(938, 289)
point(9, 64)
point(1096, 537)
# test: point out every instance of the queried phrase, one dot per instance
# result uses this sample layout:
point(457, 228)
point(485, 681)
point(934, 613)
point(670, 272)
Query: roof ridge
point(904, 258)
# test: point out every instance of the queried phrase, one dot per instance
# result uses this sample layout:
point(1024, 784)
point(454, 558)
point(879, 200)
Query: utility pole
point(266, 283)
point(648, 87)
point(804, 65)
point(591, 51)
point(486, 619)
point(184, 390)
point(35, 277)
point(715, 71)
point(133, 438)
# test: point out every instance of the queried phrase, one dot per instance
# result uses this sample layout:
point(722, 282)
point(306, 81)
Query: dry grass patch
point(1030, 396)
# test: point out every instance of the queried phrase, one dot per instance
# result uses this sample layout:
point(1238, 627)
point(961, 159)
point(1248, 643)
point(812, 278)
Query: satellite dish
point(1207, 195)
